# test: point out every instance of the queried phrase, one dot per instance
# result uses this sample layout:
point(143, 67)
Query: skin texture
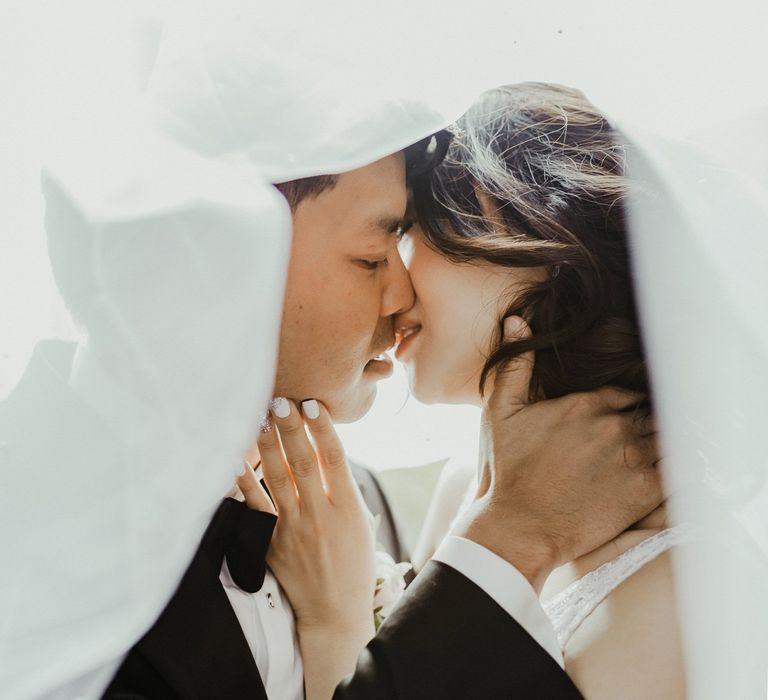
point(458, 307)
point(338, 312)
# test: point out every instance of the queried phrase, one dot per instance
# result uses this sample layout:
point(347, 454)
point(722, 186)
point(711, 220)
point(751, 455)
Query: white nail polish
point(280, 407)
point(311, 409)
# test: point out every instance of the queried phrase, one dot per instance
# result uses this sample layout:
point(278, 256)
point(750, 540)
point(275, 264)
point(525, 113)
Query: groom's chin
point(354, 405)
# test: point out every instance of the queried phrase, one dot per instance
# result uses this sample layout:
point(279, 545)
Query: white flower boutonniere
point(390, 586)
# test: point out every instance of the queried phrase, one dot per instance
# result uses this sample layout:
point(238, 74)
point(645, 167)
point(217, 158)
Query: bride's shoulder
point(633, 631)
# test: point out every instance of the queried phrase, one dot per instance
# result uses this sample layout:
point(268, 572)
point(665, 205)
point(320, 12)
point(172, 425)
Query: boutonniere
point(390, 581)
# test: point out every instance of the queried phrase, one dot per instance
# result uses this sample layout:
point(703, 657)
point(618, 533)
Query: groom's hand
point(559, 477)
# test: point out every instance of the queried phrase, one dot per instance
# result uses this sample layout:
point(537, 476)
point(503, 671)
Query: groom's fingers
point(333, 461)
point(617, 399)
point(299, 454)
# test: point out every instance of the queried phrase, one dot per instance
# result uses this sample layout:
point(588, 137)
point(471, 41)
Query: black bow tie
point(242, 536)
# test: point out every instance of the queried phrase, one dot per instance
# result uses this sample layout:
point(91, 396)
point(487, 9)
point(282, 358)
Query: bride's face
point(453, 326)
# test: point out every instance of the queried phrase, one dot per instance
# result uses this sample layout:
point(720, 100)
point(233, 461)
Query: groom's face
point(346, 281)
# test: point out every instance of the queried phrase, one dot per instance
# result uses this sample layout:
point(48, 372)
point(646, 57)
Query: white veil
point(169, 247)
point(140, 323)
point(700, 250)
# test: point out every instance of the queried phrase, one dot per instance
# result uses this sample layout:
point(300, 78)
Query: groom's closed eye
point(373, 264)
point(394, 228)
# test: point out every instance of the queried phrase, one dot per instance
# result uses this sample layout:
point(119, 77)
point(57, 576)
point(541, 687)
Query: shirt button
point(270, 601)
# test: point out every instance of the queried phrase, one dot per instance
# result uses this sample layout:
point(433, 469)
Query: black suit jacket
point(448, 639)
point(196, 648)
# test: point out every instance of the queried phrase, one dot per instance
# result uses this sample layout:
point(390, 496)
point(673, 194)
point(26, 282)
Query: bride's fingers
point(276, 473)
point(333, 461)
point(255, 496)
point(300, 455)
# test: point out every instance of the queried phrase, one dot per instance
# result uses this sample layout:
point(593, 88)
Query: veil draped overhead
point(142, 291)
point(140, 317)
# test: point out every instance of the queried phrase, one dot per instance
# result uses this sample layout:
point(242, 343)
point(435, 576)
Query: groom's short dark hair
point(420, 158)
point(297, 190)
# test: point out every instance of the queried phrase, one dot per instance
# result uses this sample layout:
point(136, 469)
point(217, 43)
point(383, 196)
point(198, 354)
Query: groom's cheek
point(319, 362)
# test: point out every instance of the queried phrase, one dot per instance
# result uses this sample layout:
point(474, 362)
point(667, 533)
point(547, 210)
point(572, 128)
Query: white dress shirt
point(267, 618)
point(267, 621)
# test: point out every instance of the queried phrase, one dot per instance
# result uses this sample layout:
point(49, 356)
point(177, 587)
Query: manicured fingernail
point(311, 409)
point(265, 425)
point(280, 407)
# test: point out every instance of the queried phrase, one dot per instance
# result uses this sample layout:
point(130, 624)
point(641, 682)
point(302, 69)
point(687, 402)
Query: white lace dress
point(575, 603)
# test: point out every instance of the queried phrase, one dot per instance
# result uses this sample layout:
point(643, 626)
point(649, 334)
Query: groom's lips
point(380, 365)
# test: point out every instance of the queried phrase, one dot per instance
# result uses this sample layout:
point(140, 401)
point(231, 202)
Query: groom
point(470, 626)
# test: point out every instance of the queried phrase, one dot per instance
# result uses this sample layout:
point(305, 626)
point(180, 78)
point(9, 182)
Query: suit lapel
point(197, 646)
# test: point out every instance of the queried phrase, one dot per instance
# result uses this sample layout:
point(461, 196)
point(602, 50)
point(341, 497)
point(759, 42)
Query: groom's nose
point(398, 295)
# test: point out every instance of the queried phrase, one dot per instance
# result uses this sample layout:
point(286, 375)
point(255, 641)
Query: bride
point(525, 221)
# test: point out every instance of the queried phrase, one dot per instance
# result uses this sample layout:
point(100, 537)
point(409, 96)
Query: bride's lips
point(405, 336)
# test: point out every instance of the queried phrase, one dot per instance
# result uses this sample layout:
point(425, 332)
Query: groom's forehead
point(375, 195)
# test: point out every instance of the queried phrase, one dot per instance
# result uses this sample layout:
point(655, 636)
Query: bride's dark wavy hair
point(549, 170)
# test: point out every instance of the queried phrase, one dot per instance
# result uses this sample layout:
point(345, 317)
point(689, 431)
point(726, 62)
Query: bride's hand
point(322, 550)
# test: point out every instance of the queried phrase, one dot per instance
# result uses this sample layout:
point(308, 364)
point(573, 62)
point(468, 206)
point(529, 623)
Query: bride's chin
point(436, 394)
point(422, 393)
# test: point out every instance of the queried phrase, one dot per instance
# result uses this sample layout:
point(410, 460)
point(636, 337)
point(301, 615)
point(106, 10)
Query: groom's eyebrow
point(391, 224)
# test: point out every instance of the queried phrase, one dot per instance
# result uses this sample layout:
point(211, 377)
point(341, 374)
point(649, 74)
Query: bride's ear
point(510, 382)
point(515, 328)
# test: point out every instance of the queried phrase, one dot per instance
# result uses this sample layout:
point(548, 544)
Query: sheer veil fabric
point(142, 236)
point(144, 293)
point(700, 250)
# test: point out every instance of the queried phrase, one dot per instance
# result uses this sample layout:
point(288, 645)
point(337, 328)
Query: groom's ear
point(509, 382)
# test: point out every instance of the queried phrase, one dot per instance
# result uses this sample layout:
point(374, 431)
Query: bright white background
point(401, 432)
point(681, 67)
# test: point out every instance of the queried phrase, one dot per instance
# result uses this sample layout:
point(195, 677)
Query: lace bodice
point(574, 604)
point(569, 608)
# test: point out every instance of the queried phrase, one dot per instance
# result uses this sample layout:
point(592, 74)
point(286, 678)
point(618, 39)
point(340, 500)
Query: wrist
point(513, 539)
point(329, 654)
point(340, 633)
